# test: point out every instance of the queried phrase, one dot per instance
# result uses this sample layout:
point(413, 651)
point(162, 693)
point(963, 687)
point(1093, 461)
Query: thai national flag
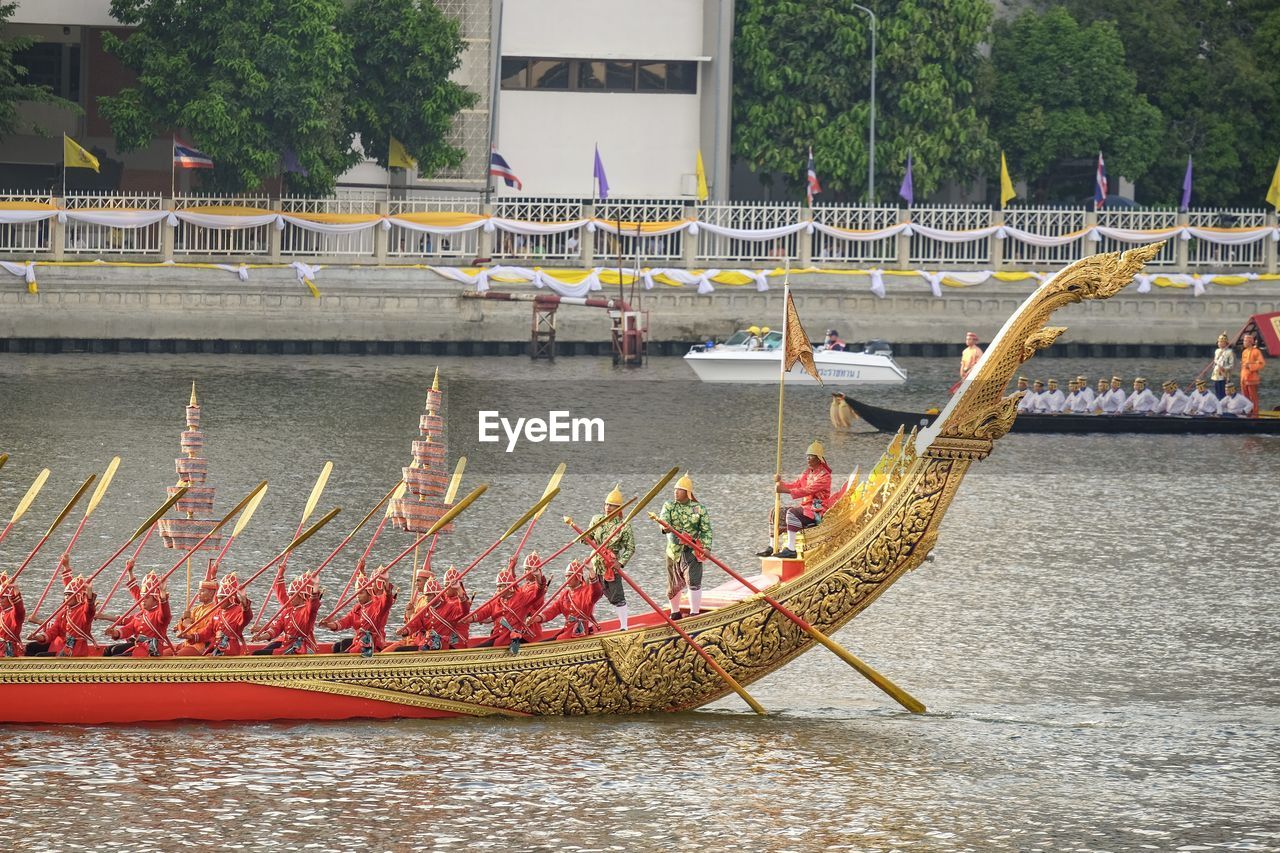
point(189, 157)
point(1100, 185)
point(811, 187)
point(498, 167)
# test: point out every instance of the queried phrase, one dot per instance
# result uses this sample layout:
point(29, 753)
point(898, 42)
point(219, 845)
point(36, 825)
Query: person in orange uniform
point(368, 619)
point(1251, 366)
point(969, 358)
point(197, 614)
point(576, 603)
point(12, 614)
point(146, 632)
point(813, 488)
point(70, 632)
point(293, 628)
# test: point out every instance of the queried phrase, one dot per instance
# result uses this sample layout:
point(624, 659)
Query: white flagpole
point(782, 386)
point(173, 178)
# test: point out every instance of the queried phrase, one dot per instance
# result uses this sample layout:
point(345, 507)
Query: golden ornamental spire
point(435, 383)
point(194, 401)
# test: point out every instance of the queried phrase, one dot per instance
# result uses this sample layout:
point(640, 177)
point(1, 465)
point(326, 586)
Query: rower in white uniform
point(1202, 401)
point(1051, 401)
point(1082, 384)
point(1173, 401)
point(1110, 400)
point(1235, 404)
point(1141, 401)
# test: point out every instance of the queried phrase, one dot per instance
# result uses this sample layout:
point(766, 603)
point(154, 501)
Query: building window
point(55, 65)
point(600, 75)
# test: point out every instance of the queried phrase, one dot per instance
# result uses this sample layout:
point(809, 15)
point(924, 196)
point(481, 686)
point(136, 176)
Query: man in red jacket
point(222, 633)
point(368, 619)
point(12, 614)
point(70, 632)
point(146, 632)
point(293, 628)
point(452, 611)
point(513, 609)
point(813, 488)
point(576, 603)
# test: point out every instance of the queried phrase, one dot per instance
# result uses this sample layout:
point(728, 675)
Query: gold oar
point(449, 495)
point(25, 503)
point(310, 507)
point(241, 523)
point(552, 485)
point(66, 510)
point(4, 457)
point(899, 695)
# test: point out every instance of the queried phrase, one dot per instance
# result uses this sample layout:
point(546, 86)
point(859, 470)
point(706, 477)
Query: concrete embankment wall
point(401, 310)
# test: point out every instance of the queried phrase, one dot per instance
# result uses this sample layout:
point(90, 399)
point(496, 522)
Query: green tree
point(405, 51)
point(14, 88)
point(1212, 67)
point(802, 77)
point(1062, 92)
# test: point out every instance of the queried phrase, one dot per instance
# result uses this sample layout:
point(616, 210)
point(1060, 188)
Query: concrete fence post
point(997, 243)
point(1269, 246)
point(1182, 248)
point(804, 241)
point(381, 236)
point(168, 236)
point(274, 234)
point(689, 242)
point(586, 239)
point(485, 247)
point(58, 232)
point(904, 243)
point(1087, 245)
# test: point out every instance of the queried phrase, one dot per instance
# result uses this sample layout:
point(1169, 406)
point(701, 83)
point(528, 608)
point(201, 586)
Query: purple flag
point(289, 163)
point(598, 174)
point(1186, 186)
point(907, 191)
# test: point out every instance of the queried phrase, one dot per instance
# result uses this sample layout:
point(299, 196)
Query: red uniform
point(813, 488)
point(512, 614)
point(227, 626)
point(12, 614)
point(70, 632)
point(368, 622)
point(150, 627)
point(577, 606)
point(294, 626)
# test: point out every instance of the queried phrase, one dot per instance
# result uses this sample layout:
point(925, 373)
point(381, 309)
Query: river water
point(1097, 639)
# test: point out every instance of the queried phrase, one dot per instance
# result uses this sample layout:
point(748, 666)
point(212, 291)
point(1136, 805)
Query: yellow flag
point(1006, 184)
point(75, 157)
point(798, 347)
point(1273, 193)
point(398, 157)
point(702, 178)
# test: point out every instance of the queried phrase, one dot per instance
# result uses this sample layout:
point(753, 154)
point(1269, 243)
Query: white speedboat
point(740, 359)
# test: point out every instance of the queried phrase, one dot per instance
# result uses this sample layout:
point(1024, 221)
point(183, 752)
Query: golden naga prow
point(877, 532)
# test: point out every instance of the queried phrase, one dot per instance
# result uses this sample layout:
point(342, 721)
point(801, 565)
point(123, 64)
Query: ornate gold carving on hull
point(1042, 339)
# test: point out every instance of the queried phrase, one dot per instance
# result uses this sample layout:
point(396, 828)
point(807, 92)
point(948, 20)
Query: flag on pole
point(1186, 186)
point(796, 345)
point(189, 157)
point(499, 168)
point(1006, 183)
point(397, 157)
point(1100, 185)
point(597, 173)
point(75, 157)
point(1273, 192)
point(702, 178)
point(907, 190)
point(811, 185)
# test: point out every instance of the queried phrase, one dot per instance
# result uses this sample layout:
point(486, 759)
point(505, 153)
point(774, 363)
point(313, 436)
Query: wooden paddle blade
point(534, 510)
point(651, 494)
point(456, 510)
point(4, 457)
point(30, 496)
point(386, 499)
point(158, 514)
point(313, 529)
point(75, 499)
point(316, 491)
point(456, 481)
point(107, 476)
point(243, 521)
point(553, 484)
point(257, 490)
point(396, 495)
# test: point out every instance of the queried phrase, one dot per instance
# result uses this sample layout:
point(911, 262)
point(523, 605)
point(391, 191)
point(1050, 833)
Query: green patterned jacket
point(689, 518)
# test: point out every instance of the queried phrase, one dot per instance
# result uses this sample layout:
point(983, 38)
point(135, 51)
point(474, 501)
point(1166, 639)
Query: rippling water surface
point(1096, 640)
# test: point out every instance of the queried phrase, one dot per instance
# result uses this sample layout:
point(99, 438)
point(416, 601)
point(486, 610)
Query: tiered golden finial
point(196, 506)
point(427, 475)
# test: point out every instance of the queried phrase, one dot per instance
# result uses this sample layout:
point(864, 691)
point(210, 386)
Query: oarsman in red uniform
point(368, 619)
point(576, 603)
point(512, 613)
point(146, 632)
point(454, 608)
point(70, 632)
point(813, 488)
point(293, 628)
point(227, 624)
point(420, 619)
point(12, 614)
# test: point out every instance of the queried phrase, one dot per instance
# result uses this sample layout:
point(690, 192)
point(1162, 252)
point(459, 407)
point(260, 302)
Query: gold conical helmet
point(614, 498)
point(817, 450)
